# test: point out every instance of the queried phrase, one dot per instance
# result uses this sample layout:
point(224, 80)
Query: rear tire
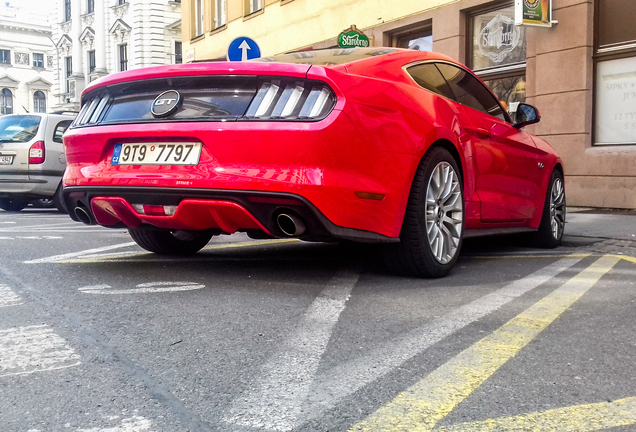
point(432, 231)
point(171, 243)
point(58, 200)
point(552, 225)
point(13, 204)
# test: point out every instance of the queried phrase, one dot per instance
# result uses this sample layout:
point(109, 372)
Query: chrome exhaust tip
point(83, 215)
point(290, 224)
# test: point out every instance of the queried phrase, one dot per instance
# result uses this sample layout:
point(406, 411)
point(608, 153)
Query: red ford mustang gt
point(373, 145)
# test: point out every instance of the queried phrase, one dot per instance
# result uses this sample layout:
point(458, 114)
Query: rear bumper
point(28, 186)
point(226, 211)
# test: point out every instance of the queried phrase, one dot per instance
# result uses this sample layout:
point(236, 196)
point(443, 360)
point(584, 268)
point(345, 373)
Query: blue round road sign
point(243, 48)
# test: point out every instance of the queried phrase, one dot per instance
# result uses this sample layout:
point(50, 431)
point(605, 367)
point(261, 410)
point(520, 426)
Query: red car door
point(508, 174)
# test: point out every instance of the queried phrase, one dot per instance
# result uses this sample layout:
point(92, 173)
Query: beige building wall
point(559, 69)
point(289, 25)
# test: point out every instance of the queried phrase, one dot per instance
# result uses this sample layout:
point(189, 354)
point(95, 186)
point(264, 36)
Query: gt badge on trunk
point(166, 103)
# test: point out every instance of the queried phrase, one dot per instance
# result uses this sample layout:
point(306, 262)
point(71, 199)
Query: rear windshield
point(20, 128)
point(328, 56)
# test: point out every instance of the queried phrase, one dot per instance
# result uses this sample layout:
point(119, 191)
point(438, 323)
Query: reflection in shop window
point(498, 54)
point(615, 64)
point(419, 37)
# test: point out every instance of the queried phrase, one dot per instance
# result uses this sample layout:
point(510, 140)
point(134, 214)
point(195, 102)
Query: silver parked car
point(32, 160)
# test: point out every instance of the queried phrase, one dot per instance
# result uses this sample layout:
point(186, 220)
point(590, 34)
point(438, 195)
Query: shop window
point(39, 102)
point(615, 63)
point(418, 37)
point(497, 53)
point(6, 101)
point(219, 13)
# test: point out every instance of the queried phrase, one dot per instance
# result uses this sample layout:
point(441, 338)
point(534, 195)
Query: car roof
point(376, 61)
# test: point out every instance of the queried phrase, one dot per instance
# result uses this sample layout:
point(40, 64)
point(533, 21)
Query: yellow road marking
point(119, 257)
point(427, 402)
point(579, 418)
point(627, 258)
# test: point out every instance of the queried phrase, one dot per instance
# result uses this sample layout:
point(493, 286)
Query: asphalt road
point(97, 335)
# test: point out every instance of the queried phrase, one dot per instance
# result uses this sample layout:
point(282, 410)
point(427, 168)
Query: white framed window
point(39, 102)
point(123, 57)
point(252, 6)
point(220, 18)
point(199, 18)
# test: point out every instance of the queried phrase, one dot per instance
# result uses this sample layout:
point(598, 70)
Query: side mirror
point(526, 115)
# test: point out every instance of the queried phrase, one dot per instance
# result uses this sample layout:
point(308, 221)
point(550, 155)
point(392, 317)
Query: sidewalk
point(606, 231)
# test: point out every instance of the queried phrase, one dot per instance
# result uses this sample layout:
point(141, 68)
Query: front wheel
point(432, 230)
point(552, 225)
point(171, 243)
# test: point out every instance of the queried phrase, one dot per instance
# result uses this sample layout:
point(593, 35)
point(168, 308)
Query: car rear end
point(207, 146)
point(266, 148)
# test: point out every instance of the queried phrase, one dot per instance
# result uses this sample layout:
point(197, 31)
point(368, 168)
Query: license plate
point(6, 160)
point(167, 153)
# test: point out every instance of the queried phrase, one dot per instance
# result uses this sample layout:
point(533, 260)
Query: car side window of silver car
point(60, 128)
point(470, 92)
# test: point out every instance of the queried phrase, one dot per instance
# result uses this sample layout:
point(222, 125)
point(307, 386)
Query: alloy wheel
point(557, 208)
point(444, 212)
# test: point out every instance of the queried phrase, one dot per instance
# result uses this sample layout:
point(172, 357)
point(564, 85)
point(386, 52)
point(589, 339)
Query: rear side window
point(21, 128)
point(429, 77)
point(470, 92)
point(60, 128)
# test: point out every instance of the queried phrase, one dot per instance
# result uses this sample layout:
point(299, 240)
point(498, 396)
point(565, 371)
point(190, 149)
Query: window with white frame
point(220, 18)
point(6, 101)
point(178, 52)
point(39, 102)
point(199, 18)
point(252, 6)
point(67, 10)
point(123, 57)
point(91, 61)
point(90, 6)
point(38, 60)
point(5, 56)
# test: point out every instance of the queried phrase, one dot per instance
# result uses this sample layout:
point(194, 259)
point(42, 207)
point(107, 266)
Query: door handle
point(483, 132)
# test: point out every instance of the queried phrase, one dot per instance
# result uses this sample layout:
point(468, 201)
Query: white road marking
point(8, 297)
point(275, 402)
point(25, 350)
point(132, 424)
point(32, 238)
point(347, 378)
point(149, 287)
point(78, 254)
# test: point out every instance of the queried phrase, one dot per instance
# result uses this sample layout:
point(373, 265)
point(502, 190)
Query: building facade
point(580, 71)
point(97, 37)
point(27, 59)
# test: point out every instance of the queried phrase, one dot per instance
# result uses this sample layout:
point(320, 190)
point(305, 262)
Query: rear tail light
point(37, 153)
point(291, 99)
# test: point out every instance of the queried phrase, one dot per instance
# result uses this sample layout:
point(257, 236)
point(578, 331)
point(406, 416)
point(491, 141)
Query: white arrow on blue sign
point(243, 48)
